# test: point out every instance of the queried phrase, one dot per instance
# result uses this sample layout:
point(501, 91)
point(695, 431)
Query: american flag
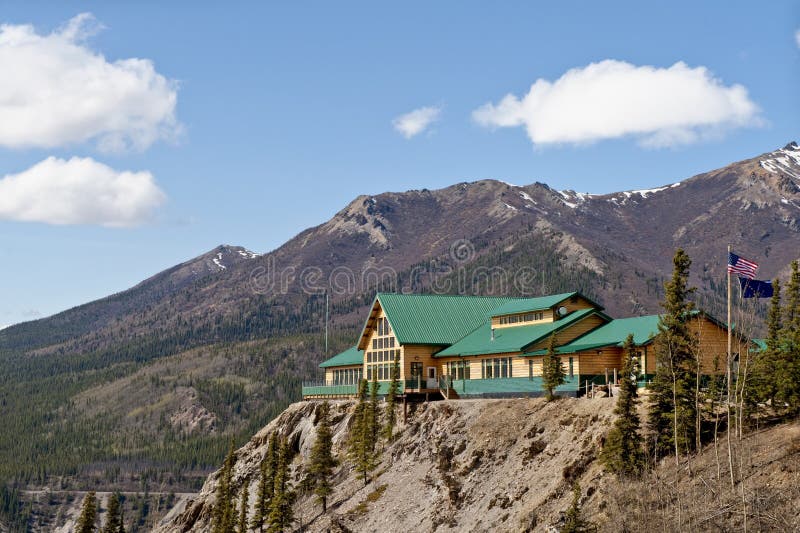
point(741, 266)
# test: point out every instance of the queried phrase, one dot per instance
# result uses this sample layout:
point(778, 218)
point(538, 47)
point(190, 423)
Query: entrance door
point(416, 376)
point(433, 383)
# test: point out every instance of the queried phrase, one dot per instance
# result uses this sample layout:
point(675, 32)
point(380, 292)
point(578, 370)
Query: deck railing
point(328, 388)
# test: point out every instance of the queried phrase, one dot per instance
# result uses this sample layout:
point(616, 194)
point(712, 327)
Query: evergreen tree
point(767, 361)
point(672, 410)
point(373, 420)
point(573, 520)
point(113, 515)
point(280, 509)
point(243, 509)
point(224, 513)
point(266, 484)
point(394, 389)
point(622, 451)
point(552, 371)
point(787, 378)
point(361, 446)
point(88, 518)
point(322, 461)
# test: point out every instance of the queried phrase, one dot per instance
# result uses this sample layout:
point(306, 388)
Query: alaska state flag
point(753, 288)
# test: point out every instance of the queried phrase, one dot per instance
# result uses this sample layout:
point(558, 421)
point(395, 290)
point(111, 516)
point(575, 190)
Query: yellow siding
point(537, 365)
point(593, 363)
point(422, 353)
point(571, 332)
point(575, 303)
point(712, 344)
point(519, 367)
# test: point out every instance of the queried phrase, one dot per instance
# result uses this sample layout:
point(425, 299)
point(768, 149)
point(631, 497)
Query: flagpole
point(728, 371)
point(730, 339)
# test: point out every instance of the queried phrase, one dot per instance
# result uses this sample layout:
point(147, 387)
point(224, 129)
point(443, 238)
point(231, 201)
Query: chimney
point(492, 333)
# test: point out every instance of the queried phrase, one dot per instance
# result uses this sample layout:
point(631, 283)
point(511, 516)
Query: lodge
point(474, 346)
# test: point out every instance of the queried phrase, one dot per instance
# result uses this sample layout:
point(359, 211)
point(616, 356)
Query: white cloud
point(56, 91)
point(610, 99)
point(797, 38)
point(416, 121)
point(79, 191)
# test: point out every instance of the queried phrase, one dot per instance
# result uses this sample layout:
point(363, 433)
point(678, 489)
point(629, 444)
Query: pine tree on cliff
point(360, 446)
point(113, 516)
point(573, 519)
point(280, 509)
point(243, 503)
point(373, 419)
point(394, 389)
point(88, 518)
point(622, 451)
point(224, 513)
point(266, 484)
point(673, 412)
point(767, 361)
point(322, 461)
point(787, 394)
point(552, 371)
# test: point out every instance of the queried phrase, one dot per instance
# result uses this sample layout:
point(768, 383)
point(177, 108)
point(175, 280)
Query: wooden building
point(468, 346)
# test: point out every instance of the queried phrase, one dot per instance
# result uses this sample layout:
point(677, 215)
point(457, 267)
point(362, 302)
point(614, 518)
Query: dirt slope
point(508, 465)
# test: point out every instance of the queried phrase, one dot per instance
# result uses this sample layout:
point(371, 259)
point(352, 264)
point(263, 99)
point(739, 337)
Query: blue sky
point(276, 115)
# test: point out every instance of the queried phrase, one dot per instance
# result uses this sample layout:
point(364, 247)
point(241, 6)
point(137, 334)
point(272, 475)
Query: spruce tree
point(622, 451)
point(672, 410)
point(224, 513)
point(280, 509)
point(767, 361)
point(243, 508)
point(361, 445)
point(394, 388)
point(787, 378)
point(113, 515)
point(573, 519)
point(88, 518)
point(322, 461)
point(552, 371)
point(373, 411)
point(266, 484)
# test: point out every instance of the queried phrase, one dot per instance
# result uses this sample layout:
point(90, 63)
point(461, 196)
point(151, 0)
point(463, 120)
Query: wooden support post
point(606, 377)
point(616, 383)
point(405, 409)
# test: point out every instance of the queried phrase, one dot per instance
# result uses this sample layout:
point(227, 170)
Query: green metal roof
point(349, 357)
point(511, 339)
point(644, 329)
point(524, 305)
point(435, 319)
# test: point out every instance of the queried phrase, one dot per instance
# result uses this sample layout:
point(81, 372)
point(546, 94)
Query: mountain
point(165, 373)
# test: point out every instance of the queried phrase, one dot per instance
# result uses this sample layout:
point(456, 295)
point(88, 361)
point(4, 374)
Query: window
point(374, 344)
point(458, 369)
point(571, 368)
point(499, 367)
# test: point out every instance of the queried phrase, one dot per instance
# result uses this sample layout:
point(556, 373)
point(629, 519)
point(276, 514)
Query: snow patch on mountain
point(573, 199)
point(218, 261)
point(784, 161)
